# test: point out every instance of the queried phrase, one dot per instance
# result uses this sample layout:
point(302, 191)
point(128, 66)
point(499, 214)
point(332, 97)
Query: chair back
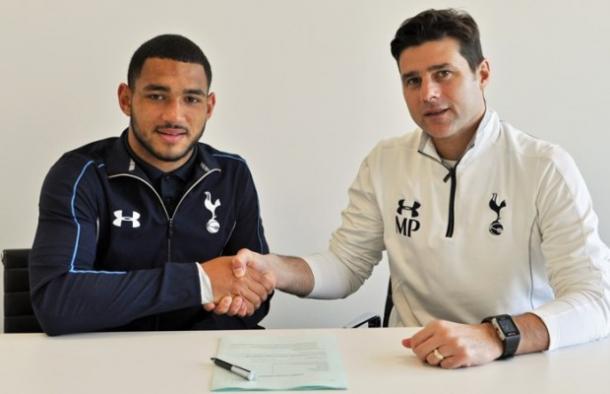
point(18, 313)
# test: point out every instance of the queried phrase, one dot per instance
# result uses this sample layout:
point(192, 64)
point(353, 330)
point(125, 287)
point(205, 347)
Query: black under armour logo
point(413, 209)
point(496, 227)
point(404, 225)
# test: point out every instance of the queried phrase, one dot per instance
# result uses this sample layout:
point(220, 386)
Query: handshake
point(240, 283)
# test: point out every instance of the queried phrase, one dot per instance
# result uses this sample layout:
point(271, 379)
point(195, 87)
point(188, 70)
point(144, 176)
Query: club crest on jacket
point(212, 225)
point(496, 227)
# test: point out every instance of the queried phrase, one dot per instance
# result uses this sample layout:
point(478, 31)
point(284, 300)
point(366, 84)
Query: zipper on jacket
point(451, 175)
point(170, 233)
point(170, 219)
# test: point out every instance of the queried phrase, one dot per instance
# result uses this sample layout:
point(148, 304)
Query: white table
point(178, 362)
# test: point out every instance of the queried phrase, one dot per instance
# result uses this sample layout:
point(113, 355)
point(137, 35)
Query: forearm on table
point(534, 334)
point(94, 300)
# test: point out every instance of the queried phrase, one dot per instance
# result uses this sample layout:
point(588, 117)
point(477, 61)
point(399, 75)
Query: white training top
point(520, 235)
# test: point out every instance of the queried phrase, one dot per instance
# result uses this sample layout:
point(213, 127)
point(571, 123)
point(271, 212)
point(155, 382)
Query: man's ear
point(483, 73)
point(124, 94)
point(211, 103)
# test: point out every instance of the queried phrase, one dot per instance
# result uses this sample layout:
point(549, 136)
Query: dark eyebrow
point(434, 67)
point(161, 88)
point(197, 92)
point(409, 75)
point(156, 87)
point(438, 66)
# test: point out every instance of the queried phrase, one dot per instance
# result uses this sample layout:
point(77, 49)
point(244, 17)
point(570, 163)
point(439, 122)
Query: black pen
point(241, 371)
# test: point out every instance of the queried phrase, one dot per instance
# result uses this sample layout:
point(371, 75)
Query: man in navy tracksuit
point(131, 228)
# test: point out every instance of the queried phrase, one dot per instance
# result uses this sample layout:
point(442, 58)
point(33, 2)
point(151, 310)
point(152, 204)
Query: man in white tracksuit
point(491, 236)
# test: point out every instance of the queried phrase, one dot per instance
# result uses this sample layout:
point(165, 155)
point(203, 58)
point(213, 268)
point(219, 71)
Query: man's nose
point(173, 111)
point(430, 90)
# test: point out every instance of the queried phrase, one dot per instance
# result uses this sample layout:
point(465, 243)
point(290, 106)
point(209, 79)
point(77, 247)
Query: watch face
point(508, 332)
point(507, 326)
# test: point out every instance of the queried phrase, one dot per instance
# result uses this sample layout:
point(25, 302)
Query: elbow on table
point(54, 318)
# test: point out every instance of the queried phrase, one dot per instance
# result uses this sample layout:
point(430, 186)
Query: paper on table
point(281, 363)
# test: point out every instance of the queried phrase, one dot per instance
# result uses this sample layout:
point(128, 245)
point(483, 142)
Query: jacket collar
point(486, 134)
point(120, 161)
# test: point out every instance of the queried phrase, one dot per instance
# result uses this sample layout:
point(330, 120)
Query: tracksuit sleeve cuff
point(205, 285)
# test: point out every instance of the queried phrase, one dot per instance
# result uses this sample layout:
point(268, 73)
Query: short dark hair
point(432, 25)
point(167, 46)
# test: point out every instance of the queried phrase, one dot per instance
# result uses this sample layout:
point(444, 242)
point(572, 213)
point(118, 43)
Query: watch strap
point(510, 341)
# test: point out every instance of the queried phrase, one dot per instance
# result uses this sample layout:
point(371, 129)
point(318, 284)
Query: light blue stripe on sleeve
point(74, 252)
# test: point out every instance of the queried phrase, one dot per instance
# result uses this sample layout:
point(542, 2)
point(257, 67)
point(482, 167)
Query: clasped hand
point(453, 345)
point(237, 291)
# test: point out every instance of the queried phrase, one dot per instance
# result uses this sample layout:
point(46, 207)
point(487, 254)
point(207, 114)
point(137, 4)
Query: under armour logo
point(496, 227)
point(413, 209)
point(404, 225)
point(212, 225)
point(135, 222)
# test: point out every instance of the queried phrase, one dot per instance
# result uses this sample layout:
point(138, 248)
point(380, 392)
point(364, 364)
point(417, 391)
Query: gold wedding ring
point(438, 355)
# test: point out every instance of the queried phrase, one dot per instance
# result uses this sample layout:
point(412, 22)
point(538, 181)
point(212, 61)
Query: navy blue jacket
point(107, 256)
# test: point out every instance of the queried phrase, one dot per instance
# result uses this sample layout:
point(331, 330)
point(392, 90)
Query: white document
point(281, 363)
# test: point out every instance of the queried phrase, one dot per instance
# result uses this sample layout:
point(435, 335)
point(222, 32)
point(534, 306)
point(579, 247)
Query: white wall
point(305, 89)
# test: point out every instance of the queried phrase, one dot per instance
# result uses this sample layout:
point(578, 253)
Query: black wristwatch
point(507, 332)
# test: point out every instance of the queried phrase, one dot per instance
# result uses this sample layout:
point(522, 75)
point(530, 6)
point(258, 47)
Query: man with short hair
point(131, 228)
point(491, 236)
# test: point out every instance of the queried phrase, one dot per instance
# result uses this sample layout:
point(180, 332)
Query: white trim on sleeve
point(205, 285)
